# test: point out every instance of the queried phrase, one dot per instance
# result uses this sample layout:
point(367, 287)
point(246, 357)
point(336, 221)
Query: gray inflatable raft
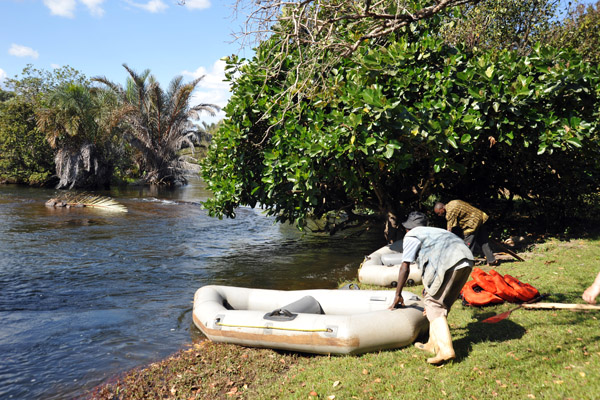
point(382, 266)
point(314, 321)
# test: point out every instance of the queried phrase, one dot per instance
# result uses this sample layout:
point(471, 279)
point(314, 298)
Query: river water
point(87, 294)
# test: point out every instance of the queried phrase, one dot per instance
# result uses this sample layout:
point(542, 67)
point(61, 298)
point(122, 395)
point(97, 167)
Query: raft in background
point(318, 321)
point(382, 266)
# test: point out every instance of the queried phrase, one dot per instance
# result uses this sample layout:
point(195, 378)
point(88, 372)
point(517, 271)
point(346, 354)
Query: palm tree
point(158, 123)
point(69, 123)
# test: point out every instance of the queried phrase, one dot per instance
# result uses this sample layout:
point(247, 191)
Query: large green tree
point(580, 30)
point(403, 119)
point(70, 123)
point(25, 155)
point(322, 33)
point(157, 123)
point(495, 25)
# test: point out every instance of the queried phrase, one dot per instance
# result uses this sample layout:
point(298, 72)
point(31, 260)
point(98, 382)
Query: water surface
point(86, 294)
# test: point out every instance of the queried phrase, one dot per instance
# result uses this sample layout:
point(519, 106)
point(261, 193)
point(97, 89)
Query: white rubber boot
point(430, 345)
point(443, 341)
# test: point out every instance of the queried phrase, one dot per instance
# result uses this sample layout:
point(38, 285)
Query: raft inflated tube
point(352, 322)
point(382, 267)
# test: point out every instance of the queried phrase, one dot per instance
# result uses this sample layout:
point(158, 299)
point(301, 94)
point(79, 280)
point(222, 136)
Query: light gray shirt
point(410, 249)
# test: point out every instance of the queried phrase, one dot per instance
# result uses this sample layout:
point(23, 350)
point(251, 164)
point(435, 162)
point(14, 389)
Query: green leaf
point(542, 149)
point(370, 141)
point(389, 152)
point(452, 141)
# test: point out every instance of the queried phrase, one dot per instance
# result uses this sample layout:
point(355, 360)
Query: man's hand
point(591, 293)
point(398, 299)
point(402, 276)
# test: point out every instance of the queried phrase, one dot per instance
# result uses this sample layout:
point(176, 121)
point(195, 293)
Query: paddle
point(499, 317)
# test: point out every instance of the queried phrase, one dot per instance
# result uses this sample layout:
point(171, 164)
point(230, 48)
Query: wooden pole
point(506, 249)
point(562, 306)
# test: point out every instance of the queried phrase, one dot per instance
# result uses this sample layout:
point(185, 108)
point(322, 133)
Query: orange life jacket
point(505, 287)
point(525, 290)
point(474, 295)
point(484, 280)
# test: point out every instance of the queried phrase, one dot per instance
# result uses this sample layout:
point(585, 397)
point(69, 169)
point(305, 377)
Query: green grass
point(533, 354)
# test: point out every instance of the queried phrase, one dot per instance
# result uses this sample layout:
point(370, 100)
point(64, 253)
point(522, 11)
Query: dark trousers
point(480, 239)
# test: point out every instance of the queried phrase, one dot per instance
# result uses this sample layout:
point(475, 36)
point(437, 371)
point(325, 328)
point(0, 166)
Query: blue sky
point(97, 36)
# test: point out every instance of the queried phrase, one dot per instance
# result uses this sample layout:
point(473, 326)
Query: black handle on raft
point(281, 314)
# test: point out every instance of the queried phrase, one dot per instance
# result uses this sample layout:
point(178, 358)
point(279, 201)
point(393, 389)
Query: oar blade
point(498, 317)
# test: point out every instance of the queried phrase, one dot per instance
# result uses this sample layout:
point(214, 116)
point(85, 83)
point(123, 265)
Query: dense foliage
point(57, 128)
point(403, 120)
point(82, 150)
point(495, 25)
point(581, 31)
point(25, 156)
point(157, 123)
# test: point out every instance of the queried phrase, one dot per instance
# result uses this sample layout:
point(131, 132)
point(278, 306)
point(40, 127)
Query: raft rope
point(275, 327)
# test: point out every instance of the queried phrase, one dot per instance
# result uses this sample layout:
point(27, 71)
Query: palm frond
point(86, 200)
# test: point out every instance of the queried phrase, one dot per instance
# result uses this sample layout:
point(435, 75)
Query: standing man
point(471, 220)
point(446, 263)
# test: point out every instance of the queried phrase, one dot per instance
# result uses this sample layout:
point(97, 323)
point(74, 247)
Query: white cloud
point(66, 8)
point(22, 51)
point(62, 8)
point(3, 77)
point(197, 4)
point(95, 7)
point(211, 89)
point(153, 6)
point(54, 66)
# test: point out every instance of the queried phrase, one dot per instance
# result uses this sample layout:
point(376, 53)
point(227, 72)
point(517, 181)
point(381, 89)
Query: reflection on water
point(85, 294)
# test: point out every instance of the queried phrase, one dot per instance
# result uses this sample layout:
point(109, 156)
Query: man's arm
point(402, 276)
point(410, 250)
point(452, 218)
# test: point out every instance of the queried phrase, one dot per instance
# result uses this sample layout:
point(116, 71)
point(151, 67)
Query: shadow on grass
point(477, 332)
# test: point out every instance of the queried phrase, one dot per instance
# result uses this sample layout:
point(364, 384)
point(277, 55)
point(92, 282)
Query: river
point(86, 294)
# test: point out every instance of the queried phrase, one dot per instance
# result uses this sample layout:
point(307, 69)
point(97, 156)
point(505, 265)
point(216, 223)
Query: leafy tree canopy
point(82, 147)
point(581, 31)
point(35, 83)
point(25, 155)
point(157, 123)
point(495, 25)
point(400, 120)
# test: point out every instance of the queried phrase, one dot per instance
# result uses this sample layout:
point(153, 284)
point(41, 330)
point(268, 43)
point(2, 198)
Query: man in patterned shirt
point(471, 221)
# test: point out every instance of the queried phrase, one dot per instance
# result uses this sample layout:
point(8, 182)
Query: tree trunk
point(81, 168)
point(392, 226)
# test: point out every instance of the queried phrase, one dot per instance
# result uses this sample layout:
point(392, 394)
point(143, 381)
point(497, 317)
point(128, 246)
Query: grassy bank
point(533, 354)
